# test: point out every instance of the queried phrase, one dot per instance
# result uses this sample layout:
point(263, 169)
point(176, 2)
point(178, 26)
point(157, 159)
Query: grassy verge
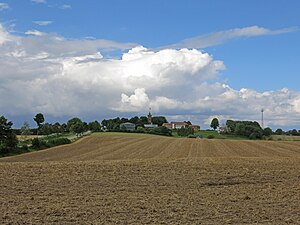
point(285, 138)
point(46, 141)
point(206, 133)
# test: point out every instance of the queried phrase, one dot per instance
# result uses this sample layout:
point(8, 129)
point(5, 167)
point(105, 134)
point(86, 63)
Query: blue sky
point(262, 63)
point(259, 62)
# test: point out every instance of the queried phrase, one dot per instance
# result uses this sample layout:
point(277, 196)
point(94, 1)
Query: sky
point(186, 60)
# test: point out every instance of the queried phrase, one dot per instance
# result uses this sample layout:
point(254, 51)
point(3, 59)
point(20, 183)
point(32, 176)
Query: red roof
point(179, 123)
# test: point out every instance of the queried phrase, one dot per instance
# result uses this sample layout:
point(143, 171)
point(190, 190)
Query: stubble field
point(143, 179)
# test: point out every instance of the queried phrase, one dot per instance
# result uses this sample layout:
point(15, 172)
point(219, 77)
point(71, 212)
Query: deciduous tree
point(214, 123)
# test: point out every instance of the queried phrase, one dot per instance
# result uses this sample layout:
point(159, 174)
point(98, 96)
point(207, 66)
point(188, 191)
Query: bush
point(161, 131)
point(210, 136)
point(37, 143)
point(140, 130)
point(24, 148)
point(192, 136)
point(253, 136)
point(185, 131)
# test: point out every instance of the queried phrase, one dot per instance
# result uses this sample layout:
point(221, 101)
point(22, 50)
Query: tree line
point(253, 130)
point(114, 125)
point(9, 141)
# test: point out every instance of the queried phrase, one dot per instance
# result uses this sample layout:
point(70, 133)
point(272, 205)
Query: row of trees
point(293, 132)
point(114, 124)
point(250, 129)
point(75, 125)
point(9, 141)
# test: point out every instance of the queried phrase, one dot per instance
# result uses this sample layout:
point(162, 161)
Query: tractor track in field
point(140, 179)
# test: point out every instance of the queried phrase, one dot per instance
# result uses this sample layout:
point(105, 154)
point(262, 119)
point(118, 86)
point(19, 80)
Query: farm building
point(127, 126)
point(196, 127)
point(150, 125)
point(178, 125)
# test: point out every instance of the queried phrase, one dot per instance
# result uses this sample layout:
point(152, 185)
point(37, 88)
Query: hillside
point(114, 146)
point(143, 179)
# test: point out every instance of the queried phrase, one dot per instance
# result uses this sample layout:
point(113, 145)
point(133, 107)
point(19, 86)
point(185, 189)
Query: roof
point(127, 123)
point(179, 123)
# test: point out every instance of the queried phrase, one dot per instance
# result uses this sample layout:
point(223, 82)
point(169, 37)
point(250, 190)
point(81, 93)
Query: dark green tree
point(159, 120)
point(279, 131)
point(185, 131)
point(240, 129)
point(267, 132)
point(143, 120)
point(8, 139)
point(39, 119)
point(214, 123)
point(73, 121)
point(78, 128)
point(94, 126)
point(45, 129)
point(294, 132)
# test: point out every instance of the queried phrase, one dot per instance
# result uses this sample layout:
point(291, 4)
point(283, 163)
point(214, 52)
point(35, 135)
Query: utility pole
point(262, 118)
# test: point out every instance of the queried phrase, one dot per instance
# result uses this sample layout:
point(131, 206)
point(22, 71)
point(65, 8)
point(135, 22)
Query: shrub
point(140, 130)
point(37, 143)
point(185, 131)
point(161, 131)
point(211, 136)
point(252, 136)
point(192, 136)
point(24, 148)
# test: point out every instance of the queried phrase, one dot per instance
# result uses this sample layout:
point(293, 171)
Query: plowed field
point(143, 179)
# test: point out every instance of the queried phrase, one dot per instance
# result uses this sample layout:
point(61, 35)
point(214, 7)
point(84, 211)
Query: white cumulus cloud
point(3, 6)
point(43, 22)
point(35, 33)
point(47, 73)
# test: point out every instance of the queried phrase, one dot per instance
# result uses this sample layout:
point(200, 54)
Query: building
point(127, 126)
point(175, 125)
point(150, 125)
point(178, 125)
point(196, 127)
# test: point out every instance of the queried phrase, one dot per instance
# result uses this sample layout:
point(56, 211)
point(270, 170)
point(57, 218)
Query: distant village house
point(127, 126)
point(178, 125)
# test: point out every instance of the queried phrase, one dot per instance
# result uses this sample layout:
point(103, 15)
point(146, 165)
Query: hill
point(143, 179)
point(122, 146)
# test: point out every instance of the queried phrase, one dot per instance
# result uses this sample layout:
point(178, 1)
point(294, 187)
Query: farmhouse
point(195, 127)
point(178, 125)
point(127, 126)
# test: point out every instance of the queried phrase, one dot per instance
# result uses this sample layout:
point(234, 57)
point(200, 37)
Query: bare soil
point(138, 179)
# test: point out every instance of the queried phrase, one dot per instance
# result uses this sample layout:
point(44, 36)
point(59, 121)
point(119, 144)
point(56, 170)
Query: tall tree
point(267, 131)
point(39, 119)
point(159, 120)
point(78, 128)
point(25, 130)
point(214, 123)
point(279, 131)
point(8, 139)
point(73, 121)
point(94, 126)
